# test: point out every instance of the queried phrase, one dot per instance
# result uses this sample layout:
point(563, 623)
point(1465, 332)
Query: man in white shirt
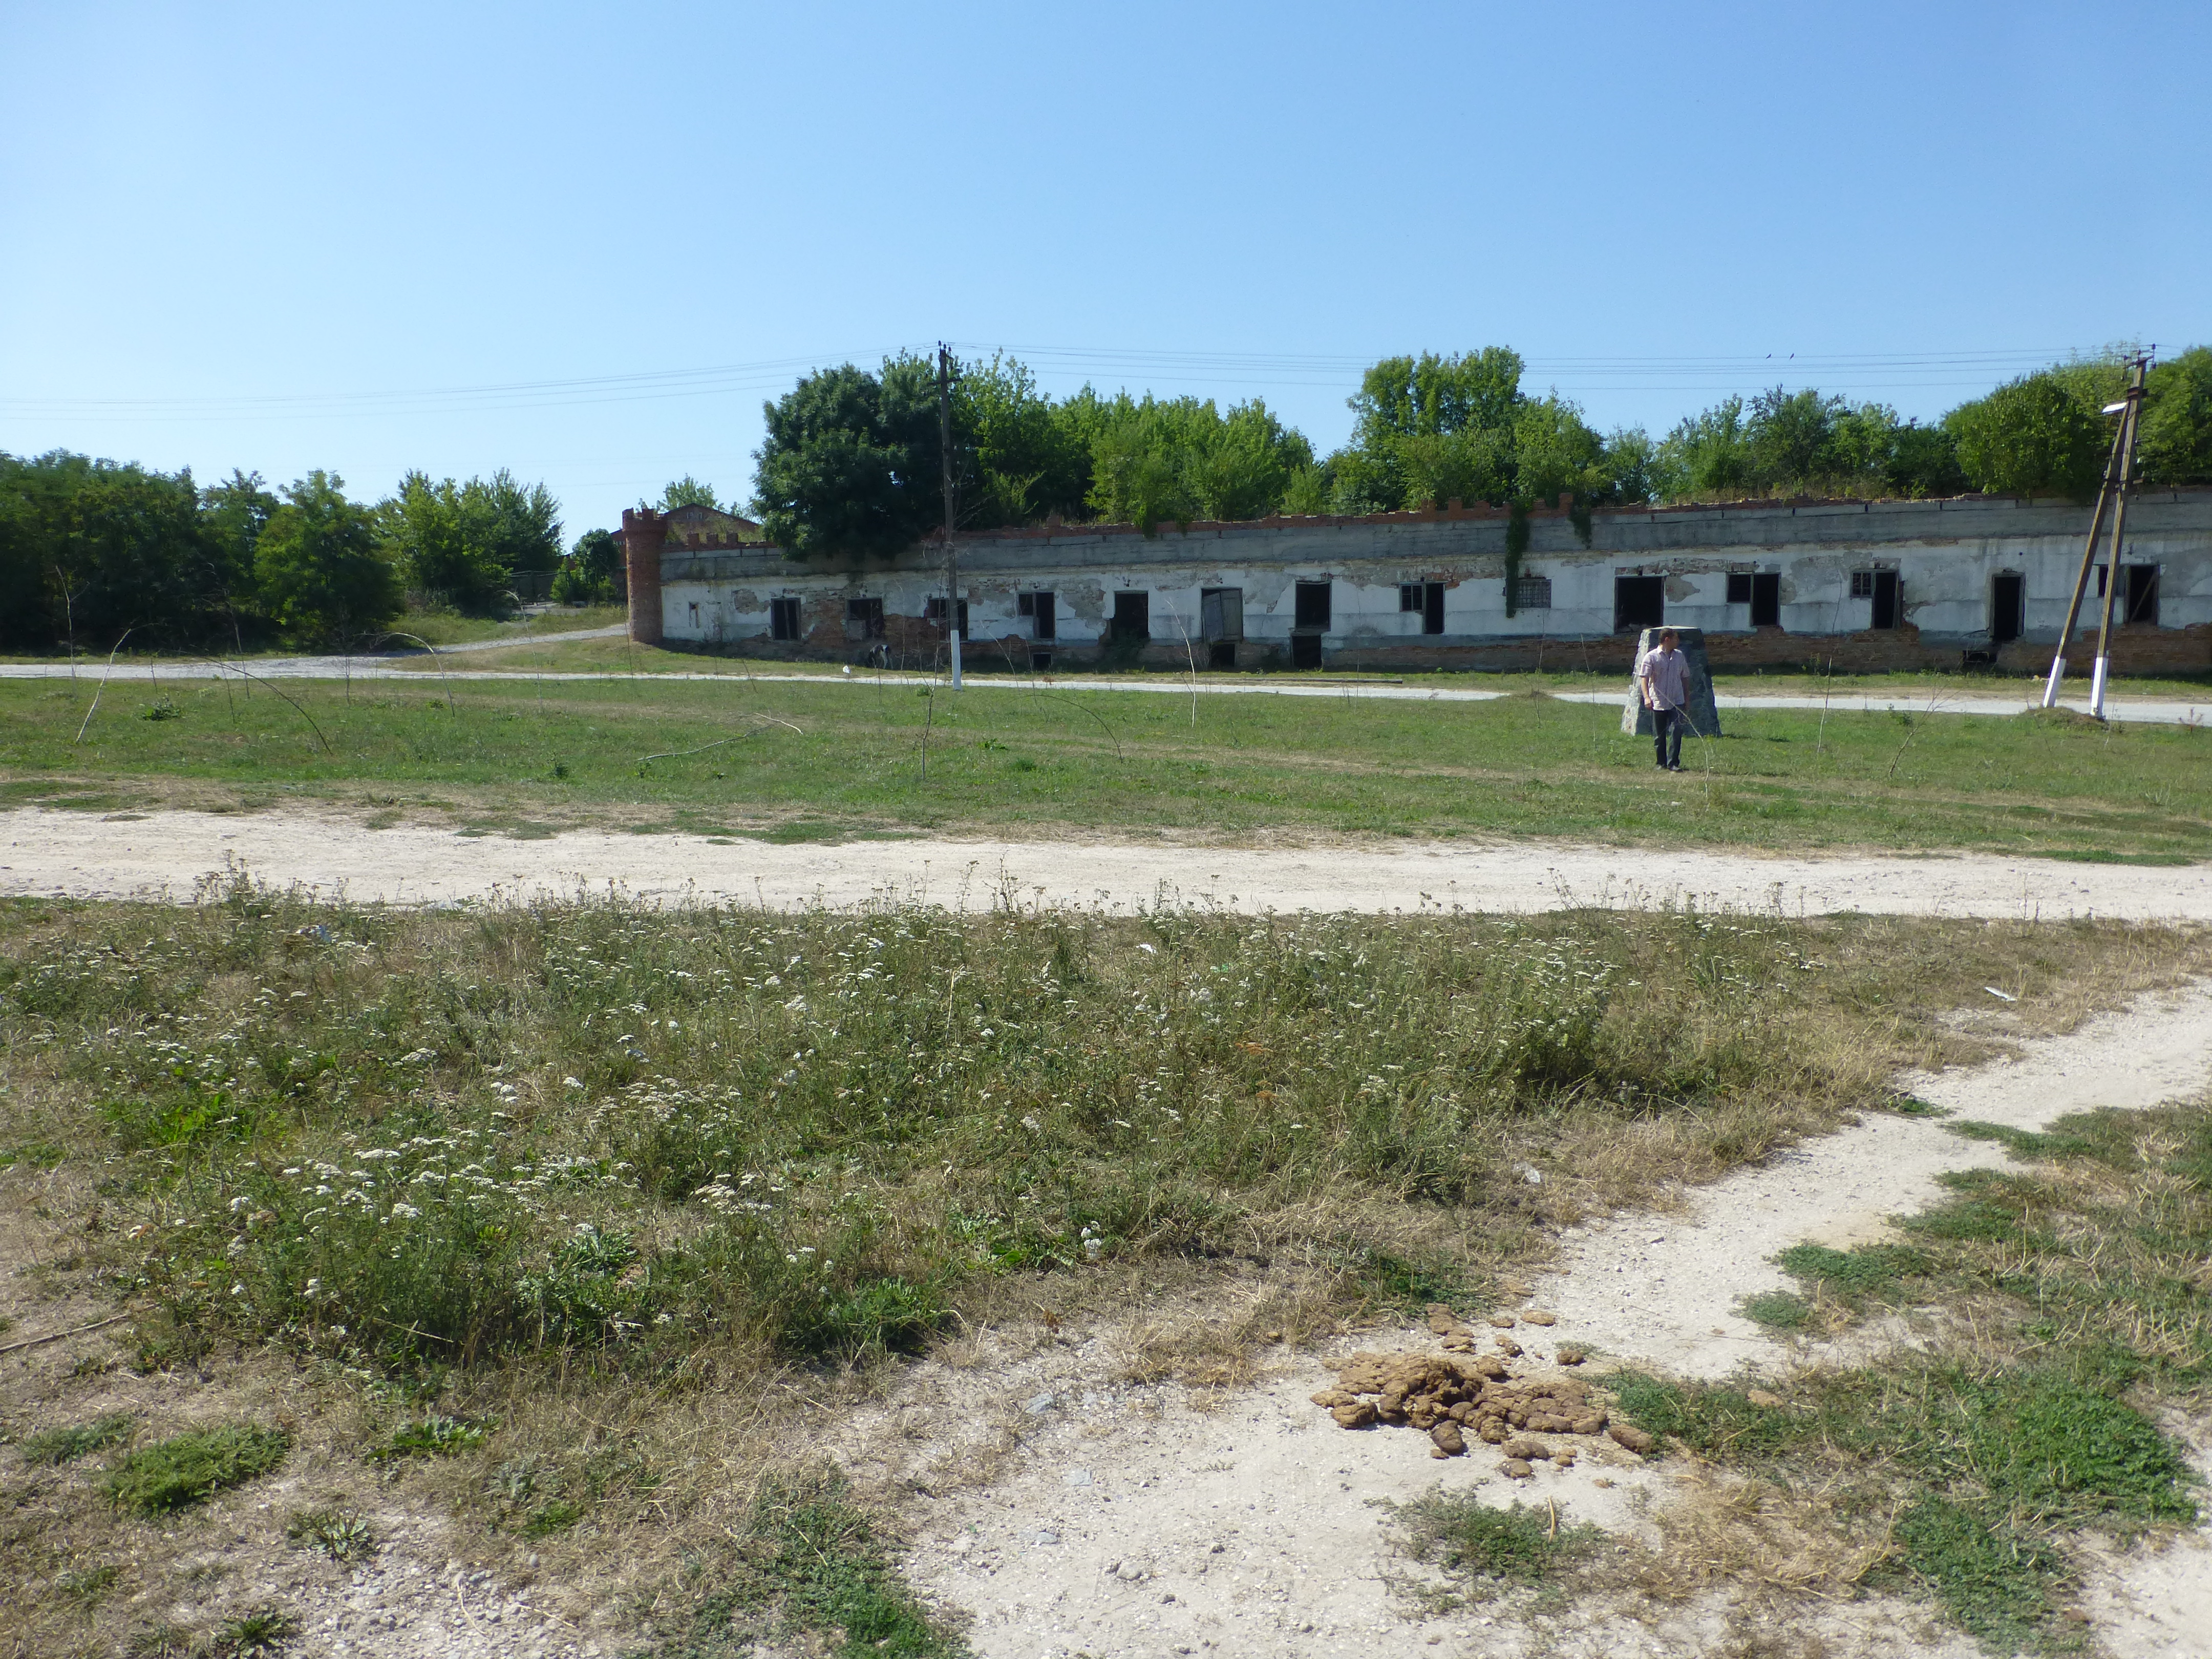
point(1665, 686)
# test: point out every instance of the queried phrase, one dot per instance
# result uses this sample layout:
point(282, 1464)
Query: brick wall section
point(642, 532)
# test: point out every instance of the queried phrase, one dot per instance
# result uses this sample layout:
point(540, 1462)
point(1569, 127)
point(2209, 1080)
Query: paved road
point(2145, 710)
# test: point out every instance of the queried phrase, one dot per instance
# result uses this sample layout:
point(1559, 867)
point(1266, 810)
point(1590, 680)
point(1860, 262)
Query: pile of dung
point(1462, 1393)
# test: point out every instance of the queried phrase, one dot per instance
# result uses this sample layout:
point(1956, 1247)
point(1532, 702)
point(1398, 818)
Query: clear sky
point(585, 242)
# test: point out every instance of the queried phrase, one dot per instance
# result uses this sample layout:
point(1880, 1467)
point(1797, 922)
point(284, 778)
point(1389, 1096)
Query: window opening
point(936, 614)
point(2143, 593)
point(1530, 593)
point(1305, 650)
point(1221, 613)
point(1133, 615)
point(1638, 603)
point(1739, 587)
point(864, 618)
point(783, 619)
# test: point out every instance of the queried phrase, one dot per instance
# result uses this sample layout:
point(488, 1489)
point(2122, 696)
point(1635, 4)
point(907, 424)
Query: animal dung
point(1459, 1396)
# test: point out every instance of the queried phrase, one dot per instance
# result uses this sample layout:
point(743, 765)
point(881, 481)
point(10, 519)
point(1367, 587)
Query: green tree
point(1706, 454)
point(2176, 446)
point(319, 567)
point(850, 463)
point(2037, 435)
point(686, 491)
point(90, 548)
point(460, 544)
point(233, 515)
point(1027, 460)
point(593, 573)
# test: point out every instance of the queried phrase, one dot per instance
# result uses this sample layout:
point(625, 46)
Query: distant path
point(162, 854)
point(2148, 711)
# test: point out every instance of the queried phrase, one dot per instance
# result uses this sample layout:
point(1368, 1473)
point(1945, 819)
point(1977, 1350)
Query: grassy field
point(799, 760)
point(562, 1219)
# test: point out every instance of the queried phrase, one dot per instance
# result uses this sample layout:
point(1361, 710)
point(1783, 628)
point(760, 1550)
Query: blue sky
point(585, 242)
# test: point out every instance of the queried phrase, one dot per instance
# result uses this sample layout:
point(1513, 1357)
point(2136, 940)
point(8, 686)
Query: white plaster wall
point(1945, 588)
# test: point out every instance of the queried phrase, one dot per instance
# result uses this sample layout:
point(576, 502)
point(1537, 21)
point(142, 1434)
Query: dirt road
point(164, 853)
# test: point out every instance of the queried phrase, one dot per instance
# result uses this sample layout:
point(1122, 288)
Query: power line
point(1594, 374)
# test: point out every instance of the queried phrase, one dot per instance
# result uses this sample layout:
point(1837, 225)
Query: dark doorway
point(1133, 615)
point(2008, 608)
point(1305, 650)
point(1885, 598)
point(2143, 593)
point(1638, 603)
point(1766, 599)
point(1313, 605)
point(1222, 653)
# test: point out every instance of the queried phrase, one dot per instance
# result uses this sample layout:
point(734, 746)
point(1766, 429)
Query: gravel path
point(164, 854)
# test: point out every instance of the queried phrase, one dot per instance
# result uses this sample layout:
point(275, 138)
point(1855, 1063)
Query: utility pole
point(2119, 478)
point(945, 453)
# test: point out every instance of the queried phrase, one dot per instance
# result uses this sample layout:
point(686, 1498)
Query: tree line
point(852, 463)
point(89, 549)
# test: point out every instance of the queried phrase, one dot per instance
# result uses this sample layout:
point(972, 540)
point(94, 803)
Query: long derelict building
point(1975, 580)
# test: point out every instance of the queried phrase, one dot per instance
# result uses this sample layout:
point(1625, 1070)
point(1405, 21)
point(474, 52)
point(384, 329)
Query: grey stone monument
point(1704, 719)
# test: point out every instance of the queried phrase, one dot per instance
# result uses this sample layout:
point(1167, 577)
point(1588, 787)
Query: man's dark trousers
point(1667, 726)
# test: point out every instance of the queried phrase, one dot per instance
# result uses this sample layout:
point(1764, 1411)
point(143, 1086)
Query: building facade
point(1867, 585)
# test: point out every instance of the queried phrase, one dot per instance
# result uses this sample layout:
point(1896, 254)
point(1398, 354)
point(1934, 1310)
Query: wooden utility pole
point(945, 454)
point(2112, 494)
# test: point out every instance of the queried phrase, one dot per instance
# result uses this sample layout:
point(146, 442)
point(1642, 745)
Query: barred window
point(1532, 594)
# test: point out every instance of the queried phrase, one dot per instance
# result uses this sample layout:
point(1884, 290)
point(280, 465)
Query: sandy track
point(162, 854)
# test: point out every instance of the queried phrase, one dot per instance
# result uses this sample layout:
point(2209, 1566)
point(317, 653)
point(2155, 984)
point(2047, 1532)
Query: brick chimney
point(642, 532)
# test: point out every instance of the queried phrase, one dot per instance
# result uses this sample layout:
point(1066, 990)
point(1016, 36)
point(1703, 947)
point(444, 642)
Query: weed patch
point(66, 1446)
point(810, 1562)
point(433, 1435)
point(188, 1467)
point(1488, 1549)
point(337, 1533)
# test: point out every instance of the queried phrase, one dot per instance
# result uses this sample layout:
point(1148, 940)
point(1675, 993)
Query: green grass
point(809, 1562)
point(67, 1444)
point(188, 1468)
point(2084, 1277)
point(813, 761)
point(590, 1167)
point(1486, 1549)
